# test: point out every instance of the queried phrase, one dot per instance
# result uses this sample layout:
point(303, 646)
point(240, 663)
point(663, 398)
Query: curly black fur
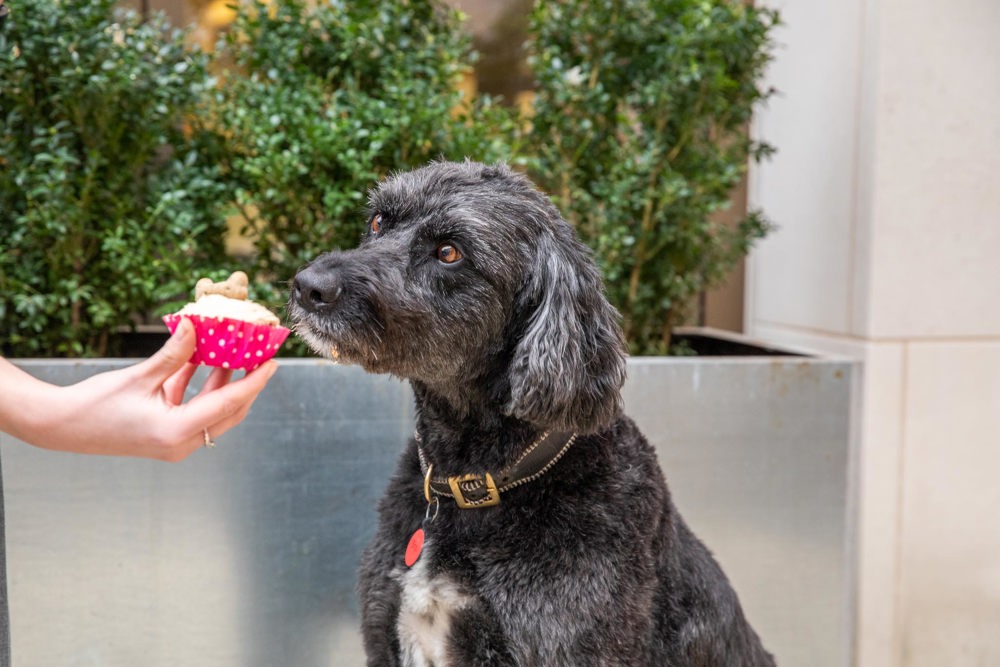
point(588, 565)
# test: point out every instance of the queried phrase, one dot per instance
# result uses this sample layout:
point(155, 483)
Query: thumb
point(174, 353)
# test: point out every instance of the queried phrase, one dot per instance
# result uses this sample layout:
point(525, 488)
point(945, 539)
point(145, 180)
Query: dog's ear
point(568, 368)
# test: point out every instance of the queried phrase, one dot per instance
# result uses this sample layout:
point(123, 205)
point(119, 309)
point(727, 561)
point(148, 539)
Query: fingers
point(191, 444)
point(172, 356)
point(178, 451)
point(176, 384)
point(225, 405)
point(218, 378)
point(221, 427)
point(219, 406)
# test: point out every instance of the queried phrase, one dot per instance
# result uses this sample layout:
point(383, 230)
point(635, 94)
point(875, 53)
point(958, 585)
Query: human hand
point(139, 411)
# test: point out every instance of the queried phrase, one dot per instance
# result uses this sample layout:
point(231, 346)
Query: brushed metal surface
point(245, 555)
point(758, 454)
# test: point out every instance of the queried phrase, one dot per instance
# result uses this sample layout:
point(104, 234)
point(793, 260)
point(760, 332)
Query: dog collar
point(483, 490)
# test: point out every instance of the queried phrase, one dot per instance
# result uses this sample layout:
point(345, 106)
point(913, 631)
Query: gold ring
point(208, 439)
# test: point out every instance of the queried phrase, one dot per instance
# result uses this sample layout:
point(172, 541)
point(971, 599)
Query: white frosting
point(216, 305)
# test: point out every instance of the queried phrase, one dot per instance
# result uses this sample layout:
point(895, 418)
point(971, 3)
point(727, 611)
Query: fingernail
point(181, 330)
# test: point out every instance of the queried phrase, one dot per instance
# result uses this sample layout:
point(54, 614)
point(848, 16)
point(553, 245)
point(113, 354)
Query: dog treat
point(236, 286)
point(232, 331)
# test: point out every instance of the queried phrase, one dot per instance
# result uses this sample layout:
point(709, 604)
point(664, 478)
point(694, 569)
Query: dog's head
point(471, 283)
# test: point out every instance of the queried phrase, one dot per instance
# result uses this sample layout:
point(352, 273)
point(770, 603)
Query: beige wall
point(886, 187)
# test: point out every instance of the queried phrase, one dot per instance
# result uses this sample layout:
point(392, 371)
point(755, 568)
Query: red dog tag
point(414, 548)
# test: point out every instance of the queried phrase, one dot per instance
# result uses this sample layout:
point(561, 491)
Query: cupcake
point(232, 331)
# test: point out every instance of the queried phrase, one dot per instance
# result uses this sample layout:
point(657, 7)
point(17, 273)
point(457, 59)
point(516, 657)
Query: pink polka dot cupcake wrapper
point(229, 343)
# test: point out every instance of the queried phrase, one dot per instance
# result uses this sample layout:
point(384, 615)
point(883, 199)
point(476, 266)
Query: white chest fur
point(427, 607)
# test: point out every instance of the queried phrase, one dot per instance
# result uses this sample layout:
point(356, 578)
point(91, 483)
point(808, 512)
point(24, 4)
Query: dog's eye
point(376, 224)
point(448, 254)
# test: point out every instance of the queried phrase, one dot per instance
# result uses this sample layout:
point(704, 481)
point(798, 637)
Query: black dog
point(549, 536)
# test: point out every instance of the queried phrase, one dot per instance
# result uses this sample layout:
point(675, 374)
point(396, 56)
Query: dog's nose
point(315, 289)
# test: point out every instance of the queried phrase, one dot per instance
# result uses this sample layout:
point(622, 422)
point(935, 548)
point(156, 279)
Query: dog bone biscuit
point(234, 287)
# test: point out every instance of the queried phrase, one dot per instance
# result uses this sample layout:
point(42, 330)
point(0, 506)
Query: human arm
point(134, 411)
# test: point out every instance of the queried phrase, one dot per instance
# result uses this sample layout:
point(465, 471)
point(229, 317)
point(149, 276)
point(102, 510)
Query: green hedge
point(106, 205)
point(324, 100)
point(123, 158)
point(640, 131)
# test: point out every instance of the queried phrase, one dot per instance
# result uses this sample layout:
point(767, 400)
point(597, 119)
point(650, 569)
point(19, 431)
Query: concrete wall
point(885, 187)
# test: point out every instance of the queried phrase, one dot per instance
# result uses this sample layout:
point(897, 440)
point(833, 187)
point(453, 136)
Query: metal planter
point(245, 555)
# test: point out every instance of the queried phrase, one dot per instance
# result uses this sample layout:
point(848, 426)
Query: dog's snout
point(316, 289)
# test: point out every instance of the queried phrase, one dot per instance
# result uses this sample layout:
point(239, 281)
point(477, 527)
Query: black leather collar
point(483, 490)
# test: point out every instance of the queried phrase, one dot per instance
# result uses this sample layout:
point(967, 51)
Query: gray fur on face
point(590, 564)
point(525, 296)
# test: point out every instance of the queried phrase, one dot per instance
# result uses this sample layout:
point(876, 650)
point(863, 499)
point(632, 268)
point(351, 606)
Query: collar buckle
point(473, 490)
